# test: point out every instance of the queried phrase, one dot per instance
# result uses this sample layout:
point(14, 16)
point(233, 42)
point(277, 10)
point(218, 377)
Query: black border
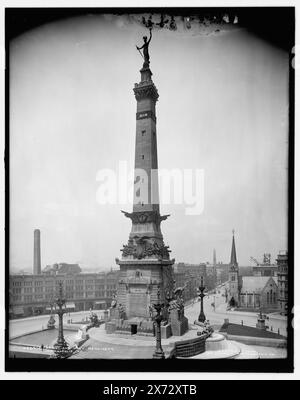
point(95, 389)
point(18, 21)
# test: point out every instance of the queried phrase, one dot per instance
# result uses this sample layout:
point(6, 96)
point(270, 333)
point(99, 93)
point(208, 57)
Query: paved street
point(216, 316)
point(19, 327)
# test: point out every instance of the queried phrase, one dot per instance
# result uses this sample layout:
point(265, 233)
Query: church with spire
point(250, 293)
point(234, 280)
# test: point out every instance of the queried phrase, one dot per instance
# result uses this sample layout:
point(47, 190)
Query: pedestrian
point(42, 347)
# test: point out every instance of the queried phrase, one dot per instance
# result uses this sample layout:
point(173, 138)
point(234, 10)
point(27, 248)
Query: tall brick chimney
point(37, 252)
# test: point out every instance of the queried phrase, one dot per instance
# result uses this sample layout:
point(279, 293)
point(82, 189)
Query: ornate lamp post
point(61, 348)
point(159, 353)
point(51, 322)
point(201, 288)
point(261, 320)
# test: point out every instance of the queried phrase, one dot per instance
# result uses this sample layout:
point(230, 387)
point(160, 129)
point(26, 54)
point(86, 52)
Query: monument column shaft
point(146, 191)
point(159, 353)
point(60, 328)
point(146, 178)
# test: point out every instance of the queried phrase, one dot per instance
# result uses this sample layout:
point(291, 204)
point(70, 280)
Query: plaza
point(99, 345)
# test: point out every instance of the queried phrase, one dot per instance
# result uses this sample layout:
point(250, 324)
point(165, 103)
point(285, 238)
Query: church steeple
point(233, 258)
point(233, 277)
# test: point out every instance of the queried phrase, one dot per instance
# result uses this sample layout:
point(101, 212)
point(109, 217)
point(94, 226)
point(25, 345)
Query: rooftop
point(254, 283)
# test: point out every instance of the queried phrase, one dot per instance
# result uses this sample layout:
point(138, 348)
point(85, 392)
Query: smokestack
point(214, 258)
point(37, 252)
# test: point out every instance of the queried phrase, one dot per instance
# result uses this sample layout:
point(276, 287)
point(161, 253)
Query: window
point(143, 157)
point(257, 301)
point(143, 132)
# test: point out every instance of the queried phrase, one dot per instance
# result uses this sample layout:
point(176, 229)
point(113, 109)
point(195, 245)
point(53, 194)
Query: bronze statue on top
point(145, 48)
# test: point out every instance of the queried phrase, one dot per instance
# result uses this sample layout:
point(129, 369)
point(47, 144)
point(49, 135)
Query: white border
point(146, 375)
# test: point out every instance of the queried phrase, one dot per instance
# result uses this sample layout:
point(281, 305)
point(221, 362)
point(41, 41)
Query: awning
point(70, 305)
point(18, 310)
point(54, 308)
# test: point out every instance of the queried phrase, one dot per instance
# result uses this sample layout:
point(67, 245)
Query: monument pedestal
point(261, 324)
point(139, 283)
point(166, 331)
point(179, 323)
point(179, 327)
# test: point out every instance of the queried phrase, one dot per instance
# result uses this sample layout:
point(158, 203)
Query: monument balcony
point(145, 261)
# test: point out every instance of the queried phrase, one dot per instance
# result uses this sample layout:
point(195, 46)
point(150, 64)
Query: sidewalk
point(222, 308)
point(277, 316)
point(66, 315)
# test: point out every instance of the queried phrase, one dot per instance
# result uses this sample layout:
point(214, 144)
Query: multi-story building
point(34, 294)
point(196, 270)
point(265, 268)
point(222, 271)
point(189, 275)
point(62, 268)
point(282, 275)
point(211, 273)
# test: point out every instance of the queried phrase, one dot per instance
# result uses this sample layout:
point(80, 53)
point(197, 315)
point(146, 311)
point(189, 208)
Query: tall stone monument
point(145, 266)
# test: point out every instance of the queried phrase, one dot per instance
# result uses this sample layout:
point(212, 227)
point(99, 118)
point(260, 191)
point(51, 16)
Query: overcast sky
point(223, 108)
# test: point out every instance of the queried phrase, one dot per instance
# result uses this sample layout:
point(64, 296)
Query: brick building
point(265, 268)
point(190, 276)
point(282, 274)
point(33, 294)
